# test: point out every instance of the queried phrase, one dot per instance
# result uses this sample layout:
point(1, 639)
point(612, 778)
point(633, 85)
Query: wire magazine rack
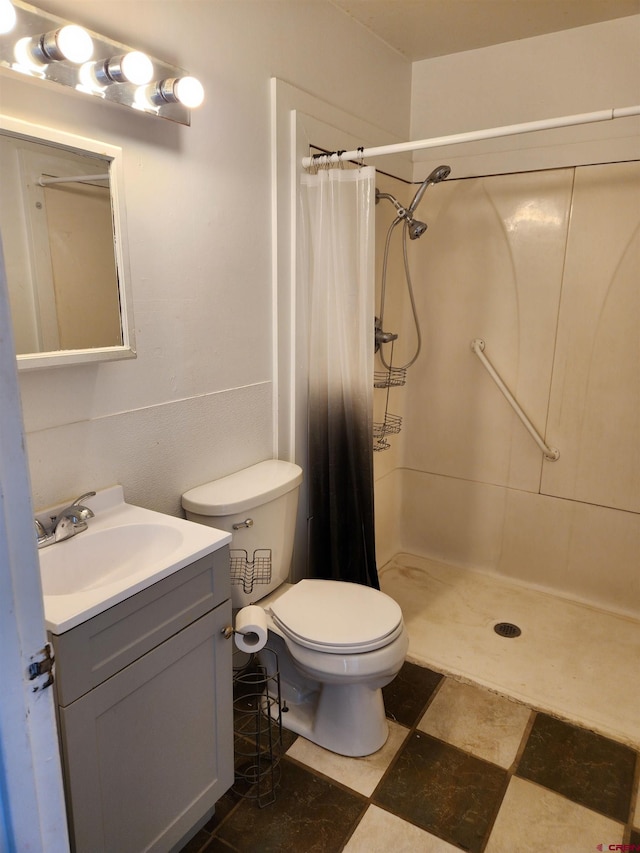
point(257, 718)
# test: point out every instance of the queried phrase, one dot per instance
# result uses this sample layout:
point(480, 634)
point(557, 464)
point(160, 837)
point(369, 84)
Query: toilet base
point(349, 720)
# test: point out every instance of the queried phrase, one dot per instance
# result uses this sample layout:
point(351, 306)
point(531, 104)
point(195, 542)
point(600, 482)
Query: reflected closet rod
point(474, 135)
point(550, 452)
point(44, 182)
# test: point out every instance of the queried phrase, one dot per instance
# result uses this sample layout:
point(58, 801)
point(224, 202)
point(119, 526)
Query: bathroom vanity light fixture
point(43, 46)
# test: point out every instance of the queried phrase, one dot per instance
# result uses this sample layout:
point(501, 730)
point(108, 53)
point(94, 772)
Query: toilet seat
point(337, 617)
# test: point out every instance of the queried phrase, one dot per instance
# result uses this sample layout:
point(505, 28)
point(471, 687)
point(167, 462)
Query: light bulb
point(133, 67)
point(88, 79)
point(74, 43)
point(7, 16)
point(25, 60)
point(137, 67)
point(174, 90)
point(143, 99)
point(189, 91)
point(69, 42)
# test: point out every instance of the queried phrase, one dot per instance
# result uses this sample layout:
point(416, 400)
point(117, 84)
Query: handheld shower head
point(438, 174)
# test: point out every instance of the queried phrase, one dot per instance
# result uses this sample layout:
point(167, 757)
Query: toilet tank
point(258, 506)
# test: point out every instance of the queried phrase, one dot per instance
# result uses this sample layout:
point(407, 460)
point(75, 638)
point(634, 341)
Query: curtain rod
point(474, 135)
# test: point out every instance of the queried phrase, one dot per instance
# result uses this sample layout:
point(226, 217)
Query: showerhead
point(438, 174)
point(416, 228)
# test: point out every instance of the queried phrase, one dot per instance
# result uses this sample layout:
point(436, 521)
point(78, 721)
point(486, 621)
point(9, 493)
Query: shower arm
point(403, 213)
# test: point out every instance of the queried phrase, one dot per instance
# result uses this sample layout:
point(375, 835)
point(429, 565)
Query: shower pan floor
point(571, 660)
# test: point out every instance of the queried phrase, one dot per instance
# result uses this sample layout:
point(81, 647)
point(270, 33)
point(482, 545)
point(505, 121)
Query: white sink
point(104, 556)
point(124, 550)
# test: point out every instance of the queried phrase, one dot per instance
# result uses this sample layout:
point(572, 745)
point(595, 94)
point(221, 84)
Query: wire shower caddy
point(392, 377)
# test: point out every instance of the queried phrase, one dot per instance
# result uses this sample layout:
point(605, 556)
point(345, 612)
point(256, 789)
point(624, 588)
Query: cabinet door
point(149, 752)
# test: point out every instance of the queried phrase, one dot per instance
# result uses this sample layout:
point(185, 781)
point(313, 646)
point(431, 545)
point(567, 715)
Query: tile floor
point(463, 769)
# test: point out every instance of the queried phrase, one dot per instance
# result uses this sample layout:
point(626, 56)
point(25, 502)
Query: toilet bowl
point(347, 641)
point(337, 643)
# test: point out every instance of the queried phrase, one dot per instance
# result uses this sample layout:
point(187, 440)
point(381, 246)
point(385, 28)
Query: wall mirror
point(63, 229)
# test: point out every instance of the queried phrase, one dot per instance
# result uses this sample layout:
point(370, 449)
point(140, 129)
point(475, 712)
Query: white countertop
point(124, 550)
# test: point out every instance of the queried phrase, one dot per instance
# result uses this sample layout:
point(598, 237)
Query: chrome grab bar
point(550, 453)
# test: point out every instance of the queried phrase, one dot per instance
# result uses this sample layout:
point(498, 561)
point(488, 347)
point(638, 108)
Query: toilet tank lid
point(244, 489)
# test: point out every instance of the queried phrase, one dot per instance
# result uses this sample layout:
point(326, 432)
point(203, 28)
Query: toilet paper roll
point(251, 629)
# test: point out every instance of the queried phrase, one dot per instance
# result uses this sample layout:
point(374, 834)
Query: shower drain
point(507, 629)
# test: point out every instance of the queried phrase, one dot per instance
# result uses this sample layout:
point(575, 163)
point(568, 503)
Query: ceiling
point(422, 29)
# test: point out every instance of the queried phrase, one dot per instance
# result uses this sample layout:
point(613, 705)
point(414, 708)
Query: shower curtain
point(338, 246)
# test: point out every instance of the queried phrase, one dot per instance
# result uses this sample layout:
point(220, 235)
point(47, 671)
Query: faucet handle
point(40, 531)
point(77, 512)
point(83, 512)
point(43, 538)
point(82, 498)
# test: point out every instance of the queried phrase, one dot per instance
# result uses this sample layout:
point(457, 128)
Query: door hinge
point(43, 666)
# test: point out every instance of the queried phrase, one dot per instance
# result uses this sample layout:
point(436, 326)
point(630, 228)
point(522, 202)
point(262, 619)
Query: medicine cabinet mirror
point(63, 229)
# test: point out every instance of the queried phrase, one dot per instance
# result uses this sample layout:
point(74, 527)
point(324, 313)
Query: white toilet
point(337, 643)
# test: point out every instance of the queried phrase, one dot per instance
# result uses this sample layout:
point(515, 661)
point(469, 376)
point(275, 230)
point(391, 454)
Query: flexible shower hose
point(383, 288)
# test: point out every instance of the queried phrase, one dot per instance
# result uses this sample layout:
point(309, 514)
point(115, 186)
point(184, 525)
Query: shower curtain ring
point(318, 161)
point(360, 150)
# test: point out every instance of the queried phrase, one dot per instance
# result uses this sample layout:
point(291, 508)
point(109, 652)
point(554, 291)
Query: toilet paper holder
point(229, 631)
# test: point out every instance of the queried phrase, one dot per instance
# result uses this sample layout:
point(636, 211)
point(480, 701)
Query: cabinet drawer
point(94, 651)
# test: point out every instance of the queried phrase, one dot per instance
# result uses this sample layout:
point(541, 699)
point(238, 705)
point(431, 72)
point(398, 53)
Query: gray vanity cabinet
point(145, 713)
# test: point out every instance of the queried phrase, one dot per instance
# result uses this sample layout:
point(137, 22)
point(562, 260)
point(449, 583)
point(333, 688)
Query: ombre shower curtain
point(338, 233)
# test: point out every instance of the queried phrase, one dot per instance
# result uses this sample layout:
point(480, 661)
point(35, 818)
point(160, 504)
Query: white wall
point(197, 402)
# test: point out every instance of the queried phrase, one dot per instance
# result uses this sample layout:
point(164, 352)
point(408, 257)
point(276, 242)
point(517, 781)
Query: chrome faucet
point(69, 521)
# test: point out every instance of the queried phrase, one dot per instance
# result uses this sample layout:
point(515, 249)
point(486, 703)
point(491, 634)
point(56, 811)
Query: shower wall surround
point(544, 267)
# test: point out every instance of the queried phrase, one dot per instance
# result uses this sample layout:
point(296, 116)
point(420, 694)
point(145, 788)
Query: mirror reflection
point(58, 216)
